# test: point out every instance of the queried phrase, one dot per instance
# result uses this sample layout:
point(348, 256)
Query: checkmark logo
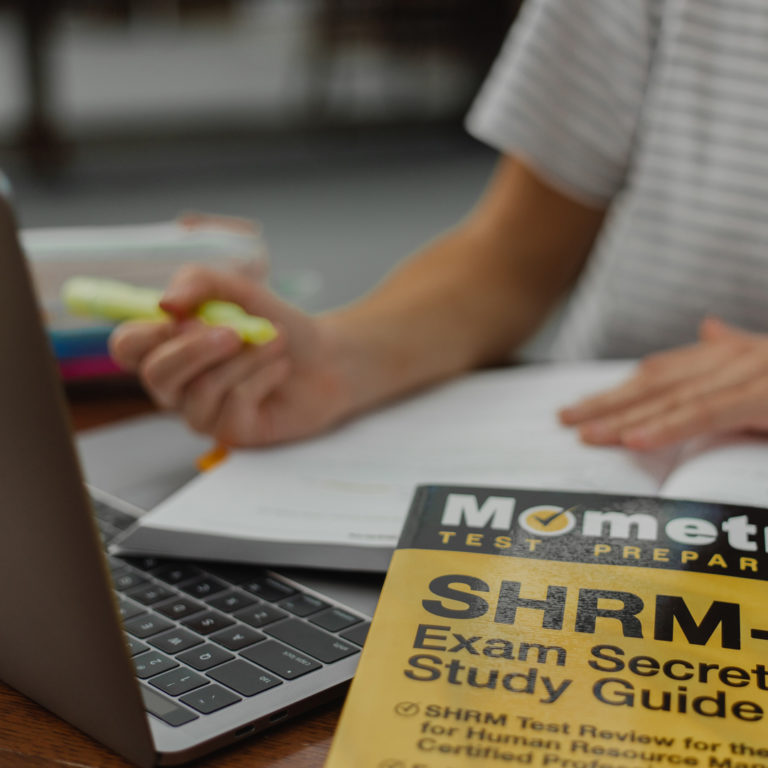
point(407, 708)
point(548, 520)
point(545, 520)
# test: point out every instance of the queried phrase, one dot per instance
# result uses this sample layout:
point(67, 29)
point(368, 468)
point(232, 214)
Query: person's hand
point(243, 395)
point(717, 385)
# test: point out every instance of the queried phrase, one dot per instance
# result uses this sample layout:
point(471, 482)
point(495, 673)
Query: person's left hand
point(719, 384)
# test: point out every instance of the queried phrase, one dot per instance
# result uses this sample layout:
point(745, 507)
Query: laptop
point(161, 661)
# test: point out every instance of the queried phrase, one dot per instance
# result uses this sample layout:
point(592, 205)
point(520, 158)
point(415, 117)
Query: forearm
point(469, 298)
point(436, 315)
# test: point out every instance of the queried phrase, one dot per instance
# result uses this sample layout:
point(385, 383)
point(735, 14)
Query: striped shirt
point(660, 109)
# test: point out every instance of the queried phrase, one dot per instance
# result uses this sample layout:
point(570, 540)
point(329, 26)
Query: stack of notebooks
point(146, 254)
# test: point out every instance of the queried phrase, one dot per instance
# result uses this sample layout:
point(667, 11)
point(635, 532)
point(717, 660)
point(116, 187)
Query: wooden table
point(30, 737)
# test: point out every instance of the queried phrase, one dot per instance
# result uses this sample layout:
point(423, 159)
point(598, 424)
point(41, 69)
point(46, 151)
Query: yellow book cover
point(565, 630)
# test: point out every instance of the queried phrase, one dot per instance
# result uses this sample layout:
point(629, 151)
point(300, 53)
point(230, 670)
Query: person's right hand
point(243, 395)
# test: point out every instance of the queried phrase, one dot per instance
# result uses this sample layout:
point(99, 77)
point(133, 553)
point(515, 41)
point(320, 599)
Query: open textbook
point(339, 500)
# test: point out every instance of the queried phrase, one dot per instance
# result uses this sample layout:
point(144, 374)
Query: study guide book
point(339, 500)
point(565, 630)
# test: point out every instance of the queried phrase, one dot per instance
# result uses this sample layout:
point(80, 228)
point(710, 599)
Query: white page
point(354, 486)
point(114, 242)
point(730, 470)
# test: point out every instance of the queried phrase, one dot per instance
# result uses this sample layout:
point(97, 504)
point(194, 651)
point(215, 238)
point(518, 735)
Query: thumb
point(714, 329)
point(193, 285)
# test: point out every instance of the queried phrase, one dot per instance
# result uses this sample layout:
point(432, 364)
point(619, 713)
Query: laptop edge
point(57, 600)
point(62, 642)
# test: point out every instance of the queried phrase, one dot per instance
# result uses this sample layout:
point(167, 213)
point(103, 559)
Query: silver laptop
point(161, 661)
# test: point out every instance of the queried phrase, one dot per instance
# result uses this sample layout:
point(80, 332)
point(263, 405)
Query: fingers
point(248, 417)
point(169, 367)
point(218, 384)
point(717, 385)
point(130, 342)
point(734, 408)
point(199, 370)
point(666, 416)
point(655, 375)
point(714, 329)
point(204, 396)
point(192, 285)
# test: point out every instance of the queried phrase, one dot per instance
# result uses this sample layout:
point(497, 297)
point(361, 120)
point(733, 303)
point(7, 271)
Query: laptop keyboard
point(204, 638)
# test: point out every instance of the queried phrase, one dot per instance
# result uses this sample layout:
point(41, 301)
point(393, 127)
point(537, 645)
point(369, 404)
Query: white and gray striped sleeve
point(565, 93)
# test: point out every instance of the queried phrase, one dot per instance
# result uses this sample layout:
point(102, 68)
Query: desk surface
point(30, 737)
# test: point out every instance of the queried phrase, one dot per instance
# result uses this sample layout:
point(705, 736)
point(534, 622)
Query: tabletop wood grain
point(31, 737)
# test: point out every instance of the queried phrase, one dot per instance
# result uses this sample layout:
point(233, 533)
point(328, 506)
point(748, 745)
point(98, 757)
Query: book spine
point(419, 504)
point(76, 343)
point(88, 368)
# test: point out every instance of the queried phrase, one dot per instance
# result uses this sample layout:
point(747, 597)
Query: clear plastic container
point(144, 254)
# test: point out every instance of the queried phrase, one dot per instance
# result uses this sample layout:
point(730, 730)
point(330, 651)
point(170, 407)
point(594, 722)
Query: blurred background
point(335, 123)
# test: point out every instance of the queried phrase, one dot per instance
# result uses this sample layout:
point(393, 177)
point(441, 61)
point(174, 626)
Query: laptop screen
point(61, 643)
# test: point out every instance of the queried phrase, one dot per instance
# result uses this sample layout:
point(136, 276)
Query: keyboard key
point(179, 607)
point(173, 573)
point(107, 532)
point(126, 578)
point(260, 615)
point(243, 677)
point(134, 646)
point(204, 657)
point(268, 588)
point(357, 634)
point(115, 517)
point(152, 663)
point(280, 659)
point(128, 608)
point(203, 587)
point(312, 640)
point(210, 699)
point(150, 594)
point(235, 573)
point(302, 605)
point(146, 625)
point(115, 563)
point(168, 711)
point(237, 637)
point(208, 622)
point(334, 619)
point(146, 563)
point(232, 601)
point(175, 640)
point(178, 681)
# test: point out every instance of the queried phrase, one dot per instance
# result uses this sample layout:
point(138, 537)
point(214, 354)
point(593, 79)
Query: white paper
point(730, 470)
point(354, 486)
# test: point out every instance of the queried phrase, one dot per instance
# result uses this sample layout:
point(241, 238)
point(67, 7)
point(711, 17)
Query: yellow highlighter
point(117, 301)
